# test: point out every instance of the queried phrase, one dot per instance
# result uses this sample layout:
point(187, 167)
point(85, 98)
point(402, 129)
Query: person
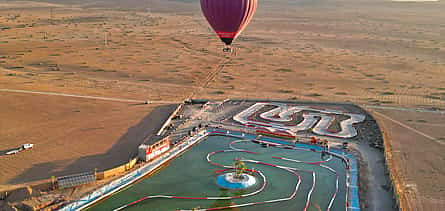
point(324, 144)
point(323, 153)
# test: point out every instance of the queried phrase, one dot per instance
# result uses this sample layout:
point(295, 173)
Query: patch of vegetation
point(102, 70)
point(283, 70)
point(380, 102)
point(386, 102)
point(56, 54)
point(387, 93)
point(228, 77)
point(438, 94)
point(432, 97)
point(203, 50)
point(341, 93)
point(11, 74)
point(285, 91)
point(421, 121)
point(15, 67)
point(314, 95)
point(217, 92)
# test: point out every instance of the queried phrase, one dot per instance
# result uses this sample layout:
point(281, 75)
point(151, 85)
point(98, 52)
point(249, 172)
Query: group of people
point(323, 143)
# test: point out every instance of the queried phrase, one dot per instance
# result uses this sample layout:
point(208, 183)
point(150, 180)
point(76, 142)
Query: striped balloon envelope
point(228, 17)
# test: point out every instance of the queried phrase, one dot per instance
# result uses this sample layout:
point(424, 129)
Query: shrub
point(387, 93)
point(217, 92)
point(282, 70)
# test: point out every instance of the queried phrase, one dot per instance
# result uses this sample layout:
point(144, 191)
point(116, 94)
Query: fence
point(395, 178)
point(117, 170)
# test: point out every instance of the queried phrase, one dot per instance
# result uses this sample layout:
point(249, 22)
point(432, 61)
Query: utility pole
point(106, 38)
point(51, 15)
point(45, 35)
point(148, 6)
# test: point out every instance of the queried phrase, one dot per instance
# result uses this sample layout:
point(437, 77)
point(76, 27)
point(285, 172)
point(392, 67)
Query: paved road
point(403, 109)
point(377, 195)
point(87, 97)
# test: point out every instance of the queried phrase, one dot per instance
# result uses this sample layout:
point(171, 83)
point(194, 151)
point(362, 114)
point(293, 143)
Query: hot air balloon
point(228, 17)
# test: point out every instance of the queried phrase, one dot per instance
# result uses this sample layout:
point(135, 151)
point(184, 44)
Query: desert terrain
point(373, 53)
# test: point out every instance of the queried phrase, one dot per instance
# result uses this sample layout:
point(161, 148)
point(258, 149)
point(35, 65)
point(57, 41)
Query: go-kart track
point(317, 119)
point(289, 175)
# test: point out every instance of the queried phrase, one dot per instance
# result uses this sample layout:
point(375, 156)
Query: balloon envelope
point(228, 17)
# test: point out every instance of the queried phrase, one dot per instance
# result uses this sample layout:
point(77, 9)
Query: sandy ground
point(64, 130)
point(90, 135)
point(417, 158)
point(379, 58)
point(367, 52)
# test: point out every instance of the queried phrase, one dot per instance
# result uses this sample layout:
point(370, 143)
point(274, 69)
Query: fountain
point(237, 179)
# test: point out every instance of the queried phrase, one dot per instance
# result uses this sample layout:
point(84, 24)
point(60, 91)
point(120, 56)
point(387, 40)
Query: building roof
point(153, 139)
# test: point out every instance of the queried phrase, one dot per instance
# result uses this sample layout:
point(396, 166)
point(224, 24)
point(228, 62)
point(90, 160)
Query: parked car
point(13, 152)
point(27, 146)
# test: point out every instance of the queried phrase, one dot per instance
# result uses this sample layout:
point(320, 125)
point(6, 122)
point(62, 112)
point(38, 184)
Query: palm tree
point(240, 168)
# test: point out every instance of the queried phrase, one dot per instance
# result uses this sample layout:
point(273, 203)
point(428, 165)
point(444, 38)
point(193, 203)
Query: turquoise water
point(190, 175)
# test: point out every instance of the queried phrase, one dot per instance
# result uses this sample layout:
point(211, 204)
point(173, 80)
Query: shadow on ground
point(121, 152)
